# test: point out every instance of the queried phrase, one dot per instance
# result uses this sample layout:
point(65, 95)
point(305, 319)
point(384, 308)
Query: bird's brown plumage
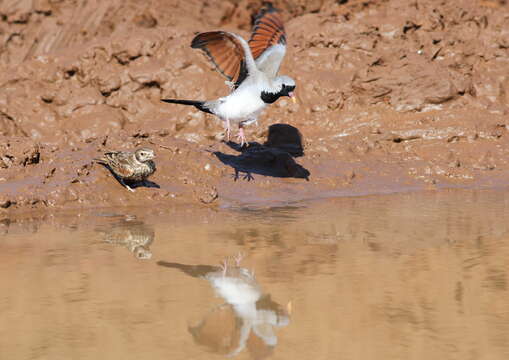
point(227, 54)
point(130, 166)
point(268, 30)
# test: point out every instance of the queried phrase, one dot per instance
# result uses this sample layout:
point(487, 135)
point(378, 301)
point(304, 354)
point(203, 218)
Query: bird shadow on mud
point(145, 183)
point(132, 184)
point(275, 158)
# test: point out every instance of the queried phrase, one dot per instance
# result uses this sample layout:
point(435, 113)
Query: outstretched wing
point(226, 53)
point(268, 41)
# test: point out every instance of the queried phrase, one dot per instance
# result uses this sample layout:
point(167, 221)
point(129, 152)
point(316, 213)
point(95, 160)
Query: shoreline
point(413, 102)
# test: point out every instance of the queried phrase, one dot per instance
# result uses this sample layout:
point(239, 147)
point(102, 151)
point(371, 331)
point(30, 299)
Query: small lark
point(130, 166)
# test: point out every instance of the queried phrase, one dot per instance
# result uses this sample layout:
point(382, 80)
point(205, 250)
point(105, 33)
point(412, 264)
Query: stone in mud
point(6, 202)
point(31, 156)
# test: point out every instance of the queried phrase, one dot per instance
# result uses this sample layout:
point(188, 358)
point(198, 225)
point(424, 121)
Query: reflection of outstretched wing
point(218, 331)
point(268, 41)
point(226, 53)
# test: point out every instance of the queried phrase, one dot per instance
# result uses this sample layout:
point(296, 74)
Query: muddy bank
point(393, 96)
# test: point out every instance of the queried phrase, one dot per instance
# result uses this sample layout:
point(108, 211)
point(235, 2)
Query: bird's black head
point(287, 90)
point(282, 86)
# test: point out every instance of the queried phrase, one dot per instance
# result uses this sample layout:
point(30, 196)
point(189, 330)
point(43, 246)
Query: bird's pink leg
point(241, 137)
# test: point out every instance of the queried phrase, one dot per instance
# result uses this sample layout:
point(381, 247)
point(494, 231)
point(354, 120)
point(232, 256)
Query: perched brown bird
point(130, 167)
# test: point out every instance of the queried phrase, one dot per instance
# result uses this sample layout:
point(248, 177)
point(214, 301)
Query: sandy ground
point(394, 95)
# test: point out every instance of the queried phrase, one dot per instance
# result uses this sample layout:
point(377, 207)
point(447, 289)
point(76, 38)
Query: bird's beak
point(292, 96)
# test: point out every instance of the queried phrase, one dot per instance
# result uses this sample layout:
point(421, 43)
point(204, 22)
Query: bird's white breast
point(242, 104)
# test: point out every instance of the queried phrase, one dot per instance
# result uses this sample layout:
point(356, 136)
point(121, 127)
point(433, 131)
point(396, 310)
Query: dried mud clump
point(393, 95)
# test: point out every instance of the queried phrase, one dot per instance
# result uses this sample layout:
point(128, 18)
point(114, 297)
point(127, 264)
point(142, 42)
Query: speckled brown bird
point(128, 166)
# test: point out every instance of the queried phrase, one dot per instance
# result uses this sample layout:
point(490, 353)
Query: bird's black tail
point(200, 105)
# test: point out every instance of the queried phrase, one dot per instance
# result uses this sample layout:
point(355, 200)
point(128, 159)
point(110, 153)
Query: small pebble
point(318, 108)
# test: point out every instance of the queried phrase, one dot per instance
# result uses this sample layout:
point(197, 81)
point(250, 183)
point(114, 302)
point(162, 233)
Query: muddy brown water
point(407, 276)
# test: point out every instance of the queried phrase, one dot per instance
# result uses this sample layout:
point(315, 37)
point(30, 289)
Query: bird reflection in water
point(248, 317)
point(134, 235)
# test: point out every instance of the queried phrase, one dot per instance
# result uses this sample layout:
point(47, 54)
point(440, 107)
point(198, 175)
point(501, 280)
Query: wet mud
point(392, 96)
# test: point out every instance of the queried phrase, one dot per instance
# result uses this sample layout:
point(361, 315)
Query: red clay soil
point(393, 95)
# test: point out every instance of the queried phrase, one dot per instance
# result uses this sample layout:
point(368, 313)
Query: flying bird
point(128, 166)
point(250, 68)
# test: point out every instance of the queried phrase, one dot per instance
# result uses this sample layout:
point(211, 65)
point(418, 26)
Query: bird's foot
point(241, 138)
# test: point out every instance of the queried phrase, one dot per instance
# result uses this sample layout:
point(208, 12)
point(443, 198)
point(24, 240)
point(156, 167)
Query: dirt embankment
point(393, 95)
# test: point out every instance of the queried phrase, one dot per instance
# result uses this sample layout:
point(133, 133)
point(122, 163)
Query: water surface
point(408, 276)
